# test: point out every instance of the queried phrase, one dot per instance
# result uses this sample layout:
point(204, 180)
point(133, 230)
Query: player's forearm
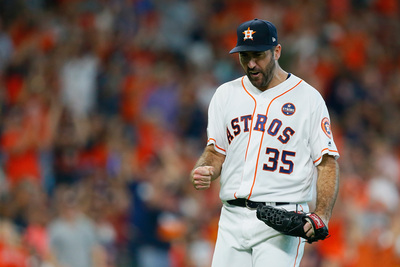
point(210, 157)
point(327, 187)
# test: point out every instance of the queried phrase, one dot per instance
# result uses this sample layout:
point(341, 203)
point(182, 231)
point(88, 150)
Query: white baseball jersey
point(273, 140)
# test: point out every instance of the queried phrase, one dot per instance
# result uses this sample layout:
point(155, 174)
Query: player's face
point(259, 67)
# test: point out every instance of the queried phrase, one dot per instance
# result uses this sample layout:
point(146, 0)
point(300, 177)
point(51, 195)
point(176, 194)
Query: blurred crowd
point(103, 113)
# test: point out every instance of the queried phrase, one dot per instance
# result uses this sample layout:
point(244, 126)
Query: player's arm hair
point(327, 186)
point(211, 157)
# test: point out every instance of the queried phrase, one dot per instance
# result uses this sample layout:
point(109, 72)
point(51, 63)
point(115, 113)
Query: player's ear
point(277, 51)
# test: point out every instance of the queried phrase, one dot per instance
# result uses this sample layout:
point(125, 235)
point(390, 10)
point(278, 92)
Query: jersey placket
point(255, 144)
point(254, 148)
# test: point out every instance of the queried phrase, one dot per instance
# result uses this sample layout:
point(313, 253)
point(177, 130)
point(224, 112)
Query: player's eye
point(259, 54)
point(244, 56)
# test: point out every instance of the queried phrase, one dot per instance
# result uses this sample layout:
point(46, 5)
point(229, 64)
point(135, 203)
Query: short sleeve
point(321, 137)
point(216, 129)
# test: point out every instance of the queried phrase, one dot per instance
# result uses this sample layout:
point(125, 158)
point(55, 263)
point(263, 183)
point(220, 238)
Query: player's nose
point(252, 63)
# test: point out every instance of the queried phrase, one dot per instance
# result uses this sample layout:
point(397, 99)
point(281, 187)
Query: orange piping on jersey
point(215, 144)
point(333, 151)
point(251, 125)
point(252, 118)
point(262, 136)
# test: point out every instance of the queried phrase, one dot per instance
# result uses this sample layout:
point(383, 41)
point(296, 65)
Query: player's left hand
point(309, 229)
point(306, 225)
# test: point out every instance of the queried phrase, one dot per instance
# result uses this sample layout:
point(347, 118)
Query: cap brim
point(250, 48)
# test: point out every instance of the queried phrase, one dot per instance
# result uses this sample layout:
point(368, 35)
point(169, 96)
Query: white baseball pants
point(244, 240)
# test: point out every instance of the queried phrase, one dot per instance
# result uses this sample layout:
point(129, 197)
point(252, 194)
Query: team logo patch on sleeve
point(288, 109)
point(326, 127)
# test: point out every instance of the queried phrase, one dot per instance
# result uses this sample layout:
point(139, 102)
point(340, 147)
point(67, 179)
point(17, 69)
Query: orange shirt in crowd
point(13, 256)
point(20, 163)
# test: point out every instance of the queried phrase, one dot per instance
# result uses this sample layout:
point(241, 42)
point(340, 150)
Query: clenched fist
point(202, 177)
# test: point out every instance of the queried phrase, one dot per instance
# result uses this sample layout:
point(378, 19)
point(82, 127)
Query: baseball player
point(269, 135)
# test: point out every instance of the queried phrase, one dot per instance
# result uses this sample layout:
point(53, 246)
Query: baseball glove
point(291, 223)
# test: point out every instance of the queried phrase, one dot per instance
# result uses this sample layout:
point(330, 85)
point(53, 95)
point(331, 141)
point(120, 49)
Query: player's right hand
point(202, 177)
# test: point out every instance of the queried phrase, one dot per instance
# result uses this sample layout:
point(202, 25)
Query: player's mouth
point(254, 74)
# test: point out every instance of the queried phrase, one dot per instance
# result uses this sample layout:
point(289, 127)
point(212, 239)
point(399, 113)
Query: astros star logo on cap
point(248, 34)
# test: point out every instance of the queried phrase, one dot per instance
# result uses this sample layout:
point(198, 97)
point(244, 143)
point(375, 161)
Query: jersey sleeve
point(216, 127)
point(321, 138)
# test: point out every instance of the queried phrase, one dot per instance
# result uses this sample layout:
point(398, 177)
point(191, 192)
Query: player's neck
point(279, 77)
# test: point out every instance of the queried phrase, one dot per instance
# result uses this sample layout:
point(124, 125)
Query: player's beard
point(262, 82)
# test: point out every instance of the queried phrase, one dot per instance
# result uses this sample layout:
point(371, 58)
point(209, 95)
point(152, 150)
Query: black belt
point(243, 202)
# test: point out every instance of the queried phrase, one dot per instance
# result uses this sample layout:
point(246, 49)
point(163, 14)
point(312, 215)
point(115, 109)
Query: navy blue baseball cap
point(255, 35)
